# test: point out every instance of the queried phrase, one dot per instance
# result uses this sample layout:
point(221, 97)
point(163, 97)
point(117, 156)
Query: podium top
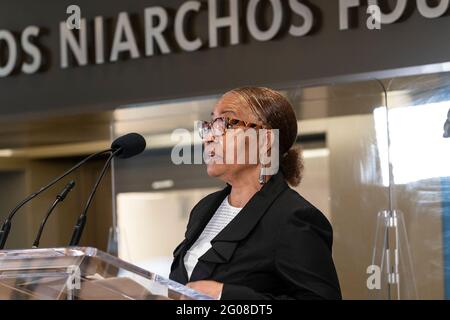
point(82, 273)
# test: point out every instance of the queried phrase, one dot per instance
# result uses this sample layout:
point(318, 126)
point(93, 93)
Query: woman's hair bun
point(292, 166)
point(276, 112)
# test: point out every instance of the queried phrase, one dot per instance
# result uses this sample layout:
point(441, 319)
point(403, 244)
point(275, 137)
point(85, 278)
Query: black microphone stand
point(6, 227)
point(81, 222)
point(59, 198)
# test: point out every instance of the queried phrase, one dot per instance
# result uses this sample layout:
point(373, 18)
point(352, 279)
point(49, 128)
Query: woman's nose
point(209, 137)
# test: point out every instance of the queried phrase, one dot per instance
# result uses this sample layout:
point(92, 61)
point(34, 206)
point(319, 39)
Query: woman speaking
point(257, 238)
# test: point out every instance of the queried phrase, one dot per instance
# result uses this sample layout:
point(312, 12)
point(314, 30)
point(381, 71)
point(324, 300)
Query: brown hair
point(276, 112)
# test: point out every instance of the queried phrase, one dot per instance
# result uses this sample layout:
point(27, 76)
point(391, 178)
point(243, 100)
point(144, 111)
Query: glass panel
point(344, 175)
point(419, 160)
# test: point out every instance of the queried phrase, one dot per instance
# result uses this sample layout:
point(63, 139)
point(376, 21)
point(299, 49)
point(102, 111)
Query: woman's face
point(217, 147)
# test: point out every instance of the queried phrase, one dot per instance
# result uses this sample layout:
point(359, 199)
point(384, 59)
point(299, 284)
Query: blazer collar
point(226, 242)
point(253, 211)
point(247, 218)
point(204, 213)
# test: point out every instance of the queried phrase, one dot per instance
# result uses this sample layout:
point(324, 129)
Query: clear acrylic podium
point(82, 274)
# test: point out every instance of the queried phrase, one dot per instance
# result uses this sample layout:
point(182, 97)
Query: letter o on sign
point(276, 22)
point(8, 38)
point(394, 15)
point(434, 12)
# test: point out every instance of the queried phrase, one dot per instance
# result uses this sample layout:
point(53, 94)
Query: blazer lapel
point(199, 219)
point(226, 242)
point(203, 214)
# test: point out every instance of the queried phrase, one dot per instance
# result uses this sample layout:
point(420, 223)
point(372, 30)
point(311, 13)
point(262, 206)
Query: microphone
point(123, 147)
point(129, 145)
point(6, 227)
point(59, 198)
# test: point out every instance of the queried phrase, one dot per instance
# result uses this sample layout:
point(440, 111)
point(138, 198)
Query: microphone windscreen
point(131, 144)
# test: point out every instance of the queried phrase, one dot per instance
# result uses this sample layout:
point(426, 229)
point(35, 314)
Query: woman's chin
point(214, 170)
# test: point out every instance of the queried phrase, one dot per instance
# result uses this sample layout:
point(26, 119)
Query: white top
point(221, 218)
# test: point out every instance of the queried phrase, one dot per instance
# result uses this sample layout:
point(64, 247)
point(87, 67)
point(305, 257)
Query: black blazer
point(277, 247)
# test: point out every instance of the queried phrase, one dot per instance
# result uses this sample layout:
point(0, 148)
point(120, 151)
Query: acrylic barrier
point(376, 161)
point(82, 274)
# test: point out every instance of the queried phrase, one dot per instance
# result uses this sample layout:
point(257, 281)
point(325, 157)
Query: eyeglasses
point(219, 126)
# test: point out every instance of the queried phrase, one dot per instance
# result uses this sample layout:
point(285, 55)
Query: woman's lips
point(212, 157)
point(209, 151)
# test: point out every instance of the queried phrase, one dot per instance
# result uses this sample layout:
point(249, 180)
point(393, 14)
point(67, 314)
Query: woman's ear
point(269, 149)
point(270, 139)
point(265, 144)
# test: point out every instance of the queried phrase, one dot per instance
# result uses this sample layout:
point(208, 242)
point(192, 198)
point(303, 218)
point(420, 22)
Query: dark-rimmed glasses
point(219, 126)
